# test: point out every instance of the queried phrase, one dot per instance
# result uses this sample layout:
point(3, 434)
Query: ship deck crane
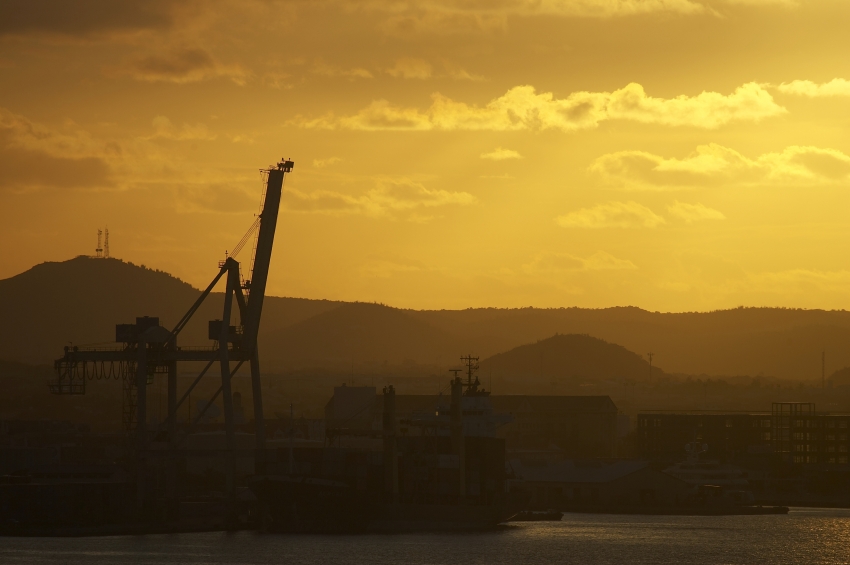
point(148, 348)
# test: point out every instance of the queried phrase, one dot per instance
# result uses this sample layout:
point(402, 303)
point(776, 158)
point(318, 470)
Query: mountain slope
point(576, 358)
point(369, 336)
point(785, 343)
point(80, 301)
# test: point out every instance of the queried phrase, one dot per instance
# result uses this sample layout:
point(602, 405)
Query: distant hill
point(841, 377)
point(779, 342)
point(79, 301)
point(82, 299)
point(369, 337)
point(575, 358)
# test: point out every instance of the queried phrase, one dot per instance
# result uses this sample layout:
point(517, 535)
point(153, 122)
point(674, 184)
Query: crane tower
point(145, 348)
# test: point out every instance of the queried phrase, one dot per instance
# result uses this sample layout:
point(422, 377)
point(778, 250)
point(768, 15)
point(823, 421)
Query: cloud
point(324, 69)
point(499, 154)
point(549, 263)
point(806, 281)
point(715, 165)
point(835, 87)
point(322, 163)
point(694, 212)
point(164, 129)
point(403, 17)
point(181, 66)
point(214, 197)
point(84, 18)
point(445, 16)
point(384, 269)
point(459, 73)
point(522, 108)
point(411, 68)
point(35, 156)
point(763, 2)
point(612, 215)
point(395, 198)
point(421, 69)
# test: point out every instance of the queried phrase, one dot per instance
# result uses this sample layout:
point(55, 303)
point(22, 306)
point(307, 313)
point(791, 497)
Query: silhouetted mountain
point(369, 337)
point(79, 301)
point(575, 358)
point(780, 342)
point(841, 377)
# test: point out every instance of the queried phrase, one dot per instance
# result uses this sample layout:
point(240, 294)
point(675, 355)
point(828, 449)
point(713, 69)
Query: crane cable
point(245, 238)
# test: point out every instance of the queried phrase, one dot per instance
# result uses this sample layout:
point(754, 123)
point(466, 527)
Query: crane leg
point(141, 428)
point(173, 504)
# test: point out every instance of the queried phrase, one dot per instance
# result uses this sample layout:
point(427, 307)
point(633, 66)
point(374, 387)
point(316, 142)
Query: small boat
point(537, 516)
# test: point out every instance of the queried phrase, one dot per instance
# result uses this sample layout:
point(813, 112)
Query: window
point(843, 449)
point(843, 437)
point(831, 449)
point(830, 437)
point(799, 436)
point(842, 460)
point(765, 423)
point(765, 436)
point(830, 424)
point(728, 423)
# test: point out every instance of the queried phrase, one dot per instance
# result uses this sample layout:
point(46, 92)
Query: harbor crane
point(147, 348)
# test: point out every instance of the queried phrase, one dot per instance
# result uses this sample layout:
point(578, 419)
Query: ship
point(446, 472)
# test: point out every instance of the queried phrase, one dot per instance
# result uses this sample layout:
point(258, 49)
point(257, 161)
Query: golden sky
point(670, 154)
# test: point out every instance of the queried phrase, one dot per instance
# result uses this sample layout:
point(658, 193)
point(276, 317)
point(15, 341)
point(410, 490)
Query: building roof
point(540, 403)
point(572, 471)
point(508, 403)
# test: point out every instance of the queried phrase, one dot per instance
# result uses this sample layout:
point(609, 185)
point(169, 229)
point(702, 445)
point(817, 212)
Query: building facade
point(792, 433)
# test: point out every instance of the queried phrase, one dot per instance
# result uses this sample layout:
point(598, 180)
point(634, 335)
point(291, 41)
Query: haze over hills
point(779, 342)
point(82, 299)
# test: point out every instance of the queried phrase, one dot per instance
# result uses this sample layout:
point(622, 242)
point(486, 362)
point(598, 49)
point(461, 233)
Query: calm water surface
point(803, 536)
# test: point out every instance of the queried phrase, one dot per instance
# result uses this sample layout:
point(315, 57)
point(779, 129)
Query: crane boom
point(263, 254)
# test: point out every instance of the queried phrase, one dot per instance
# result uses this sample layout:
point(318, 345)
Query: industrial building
point(791, 433)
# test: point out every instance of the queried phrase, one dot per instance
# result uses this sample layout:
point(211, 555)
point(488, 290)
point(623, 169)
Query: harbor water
point(804, 536)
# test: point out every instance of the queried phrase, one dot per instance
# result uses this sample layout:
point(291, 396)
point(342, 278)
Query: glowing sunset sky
point(668, 154)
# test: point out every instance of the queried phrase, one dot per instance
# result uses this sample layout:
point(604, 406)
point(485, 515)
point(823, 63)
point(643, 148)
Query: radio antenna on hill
point(102, 251)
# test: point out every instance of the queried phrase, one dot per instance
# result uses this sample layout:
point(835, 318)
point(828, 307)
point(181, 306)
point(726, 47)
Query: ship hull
point(310, 505)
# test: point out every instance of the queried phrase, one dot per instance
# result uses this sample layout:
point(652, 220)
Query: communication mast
point(105, 244)
point(472, 382)
point(99, 251)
